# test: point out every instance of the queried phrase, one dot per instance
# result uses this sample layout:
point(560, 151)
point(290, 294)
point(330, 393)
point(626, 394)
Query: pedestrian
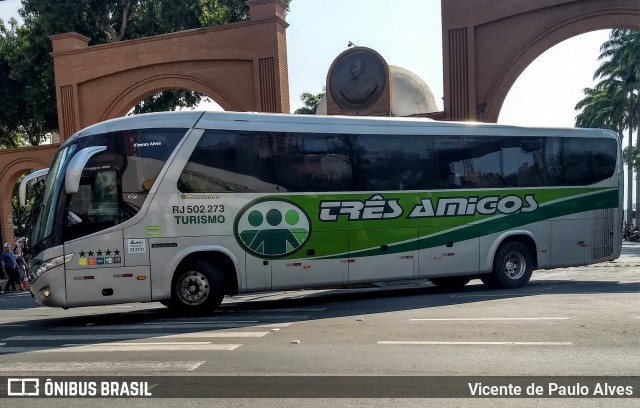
point(21, 266)
point(9, 266)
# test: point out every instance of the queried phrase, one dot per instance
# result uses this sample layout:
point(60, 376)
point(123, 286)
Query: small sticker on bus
point(136, 246)
point(152, 231)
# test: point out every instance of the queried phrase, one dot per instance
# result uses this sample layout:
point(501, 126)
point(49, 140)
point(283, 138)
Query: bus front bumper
point(49, 288)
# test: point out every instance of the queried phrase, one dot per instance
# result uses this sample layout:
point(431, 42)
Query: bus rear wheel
point(512, 267)
point(451, 282)
point(197, 287)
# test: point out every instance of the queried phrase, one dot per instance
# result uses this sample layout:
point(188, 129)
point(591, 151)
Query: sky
point(409, 35)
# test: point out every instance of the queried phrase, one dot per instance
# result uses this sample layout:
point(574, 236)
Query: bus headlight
point(38, 269)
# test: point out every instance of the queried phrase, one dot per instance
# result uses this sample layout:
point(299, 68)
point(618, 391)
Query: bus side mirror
point(74, 170)
point(29, 180)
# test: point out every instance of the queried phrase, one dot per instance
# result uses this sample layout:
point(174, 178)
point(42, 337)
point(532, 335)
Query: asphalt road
point(567, 322)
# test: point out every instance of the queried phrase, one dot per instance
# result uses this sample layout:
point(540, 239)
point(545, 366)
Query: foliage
point(28, 106)
point(311, 103)
point(170, 100)
point(614, 102)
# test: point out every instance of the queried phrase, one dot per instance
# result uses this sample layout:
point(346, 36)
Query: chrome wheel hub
point(193, 288)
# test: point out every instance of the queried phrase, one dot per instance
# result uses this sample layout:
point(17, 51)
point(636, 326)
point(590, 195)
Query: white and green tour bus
point(187, 207)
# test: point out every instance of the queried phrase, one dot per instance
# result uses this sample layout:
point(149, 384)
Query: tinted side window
point(587, 161)
point(468, 162)
point(230, 161)
point(227, 161)
point(523, 162)
point(312, 162)
point(389, 162)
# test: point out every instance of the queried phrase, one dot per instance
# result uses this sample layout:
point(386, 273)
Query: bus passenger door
point(97, 274)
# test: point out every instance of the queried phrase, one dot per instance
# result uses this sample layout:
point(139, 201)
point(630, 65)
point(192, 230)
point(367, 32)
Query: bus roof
point(322, 124)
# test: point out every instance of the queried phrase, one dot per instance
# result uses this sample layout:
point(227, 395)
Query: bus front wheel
point(197, 287)
point(512, 267)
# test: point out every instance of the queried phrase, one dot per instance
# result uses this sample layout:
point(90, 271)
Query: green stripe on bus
point(606, 199)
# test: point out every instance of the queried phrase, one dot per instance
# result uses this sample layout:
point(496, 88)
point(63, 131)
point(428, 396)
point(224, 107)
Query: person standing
point(21, 266)
point(10, 267)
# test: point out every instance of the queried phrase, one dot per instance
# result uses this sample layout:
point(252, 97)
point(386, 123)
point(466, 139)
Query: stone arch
point(243, 66)
point(150, 86)
point(17, 162)
point(488, 45)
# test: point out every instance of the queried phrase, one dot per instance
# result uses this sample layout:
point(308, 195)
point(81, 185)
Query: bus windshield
point(43, 231)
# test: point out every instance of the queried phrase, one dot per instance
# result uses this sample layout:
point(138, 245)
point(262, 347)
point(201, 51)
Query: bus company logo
point(458, 206)
point(272, 228)
point(375, 208)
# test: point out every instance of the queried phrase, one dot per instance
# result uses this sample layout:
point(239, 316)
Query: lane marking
point(480, 343)
point(215, 334)
point(181, 343)
point(479, 319)
point(302, 309)
point(258, 318)
point(97, 348)
point(496, 295)
point(203, 322)
point(133, 336)
point(167, 326)
point(169, 366)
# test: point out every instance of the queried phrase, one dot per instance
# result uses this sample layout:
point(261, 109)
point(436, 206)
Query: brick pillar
point(272, 86)
point(66, 93)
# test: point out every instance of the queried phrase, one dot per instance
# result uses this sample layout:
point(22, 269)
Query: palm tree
point(613, 103)
point(621, 64)
point(605, 106)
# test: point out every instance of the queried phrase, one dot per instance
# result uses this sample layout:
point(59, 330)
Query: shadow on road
point(326, 305)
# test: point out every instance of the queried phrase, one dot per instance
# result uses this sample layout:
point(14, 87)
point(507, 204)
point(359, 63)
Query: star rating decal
point(87, 258)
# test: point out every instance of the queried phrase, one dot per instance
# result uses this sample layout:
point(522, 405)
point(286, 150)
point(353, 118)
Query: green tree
point(613, 103)
point(311, 102)
point(25, 50)
point(27, 104)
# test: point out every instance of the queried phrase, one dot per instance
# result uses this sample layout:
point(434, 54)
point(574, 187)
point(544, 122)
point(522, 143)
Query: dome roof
point(410, 95)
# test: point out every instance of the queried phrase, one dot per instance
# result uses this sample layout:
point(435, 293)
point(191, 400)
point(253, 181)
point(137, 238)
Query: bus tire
point(451, 282)
point(512, 267)
point(198, 287)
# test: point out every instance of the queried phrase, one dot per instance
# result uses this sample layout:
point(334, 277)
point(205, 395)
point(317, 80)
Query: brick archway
point(17, 162)
point(487, 44)
point(242, 66)
point(152, 85)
